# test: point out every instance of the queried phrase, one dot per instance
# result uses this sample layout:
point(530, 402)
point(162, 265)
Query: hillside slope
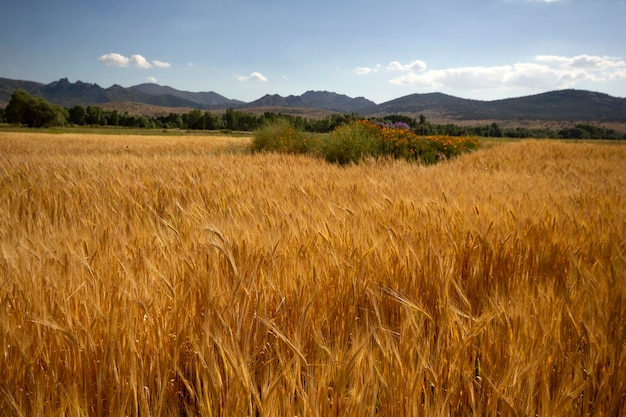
point(555, 106)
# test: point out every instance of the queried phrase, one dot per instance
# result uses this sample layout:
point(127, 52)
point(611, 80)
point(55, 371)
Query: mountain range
point(562, 105)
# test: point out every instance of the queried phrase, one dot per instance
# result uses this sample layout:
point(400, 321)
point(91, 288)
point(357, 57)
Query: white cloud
point(255, 76)
point(115, 60)
point(140, 62)
point(546, 72)
point(151, 80)
point(137, 61)
point(161, 64)
point(617, 75)
point(258, 76)
point(583, 62)
point(416, 65)
point(364, 70)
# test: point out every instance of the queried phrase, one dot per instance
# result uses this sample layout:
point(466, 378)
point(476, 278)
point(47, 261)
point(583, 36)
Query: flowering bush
point(398, 141)
point(396, 125)
point(352, 142)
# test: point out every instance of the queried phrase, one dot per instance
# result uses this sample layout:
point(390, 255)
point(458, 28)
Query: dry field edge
point(181, 276)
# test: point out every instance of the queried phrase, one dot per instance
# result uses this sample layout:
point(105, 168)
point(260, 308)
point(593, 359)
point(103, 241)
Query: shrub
point(358, 140)
point(352, 142)
point(280, 136)
point(401, 143)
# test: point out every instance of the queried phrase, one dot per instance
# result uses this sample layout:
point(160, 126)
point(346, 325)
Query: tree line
point(33, 111)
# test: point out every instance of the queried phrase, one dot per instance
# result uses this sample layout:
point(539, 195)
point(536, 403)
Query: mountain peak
point(203, 99)
point(562, 105)
point(315, 99)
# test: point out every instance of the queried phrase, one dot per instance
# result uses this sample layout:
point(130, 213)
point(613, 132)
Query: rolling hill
point(69, 94)
point(315, 100)
point(562, 105)
point(205, 99)
point(555, 106)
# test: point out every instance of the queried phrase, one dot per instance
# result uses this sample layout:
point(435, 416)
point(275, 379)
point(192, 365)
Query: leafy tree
point(34, 111)
point(194, 120)
point(114, 118)
point(211, 121)
point(586, 131)
point(78, 115)
point(246, 121)
point(143, 122)
point(230, 119)
point(95, 116)
point(171, 121)
point(495, 131)
point(319, 125)
point(129, 120)
point(423, 128)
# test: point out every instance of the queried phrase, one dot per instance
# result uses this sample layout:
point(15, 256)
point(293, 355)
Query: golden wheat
point(163, 276)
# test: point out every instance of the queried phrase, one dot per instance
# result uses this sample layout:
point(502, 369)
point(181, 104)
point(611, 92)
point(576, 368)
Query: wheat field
point(180, 276)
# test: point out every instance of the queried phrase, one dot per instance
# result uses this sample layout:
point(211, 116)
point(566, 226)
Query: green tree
point(494, 130)
point(95, 116)
point(230, 119)
point(172, 121)
point(211, 121)
point(194, 120)
point(114, 118)
point(34, 111)
point(246, 121)
point(78, 115)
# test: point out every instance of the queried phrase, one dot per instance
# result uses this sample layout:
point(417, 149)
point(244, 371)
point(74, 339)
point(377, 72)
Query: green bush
point(351, 143)
point(280, 136)
point(358, 140)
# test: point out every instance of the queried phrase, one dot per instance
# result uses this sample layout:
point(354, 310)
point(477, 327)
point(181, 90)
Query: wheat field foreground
point(175, 276)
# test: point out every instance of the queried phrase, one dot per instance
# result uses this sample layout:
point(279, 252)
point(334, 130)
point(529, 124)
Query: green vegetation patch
point(358, 140)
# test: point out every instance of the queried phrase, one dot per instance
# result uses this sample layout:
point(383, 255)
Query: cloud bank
point(417, 65)
point(138, 61)
point(544, 72)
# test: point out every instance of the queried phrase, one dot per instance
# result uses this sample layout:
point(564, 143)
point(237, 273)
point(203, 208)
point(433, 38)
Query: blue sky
point(244, 49)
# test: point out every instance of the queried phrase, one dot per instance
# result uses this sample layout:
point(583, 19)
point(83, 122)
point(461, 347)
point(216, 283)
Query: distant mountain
point(274, 100)
point(557, 106)
point(203, 99)
point(316, 100)
point(69, 94)
point(414, 104)
point(7, 87)
point(334, 101)
point(563, 105)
